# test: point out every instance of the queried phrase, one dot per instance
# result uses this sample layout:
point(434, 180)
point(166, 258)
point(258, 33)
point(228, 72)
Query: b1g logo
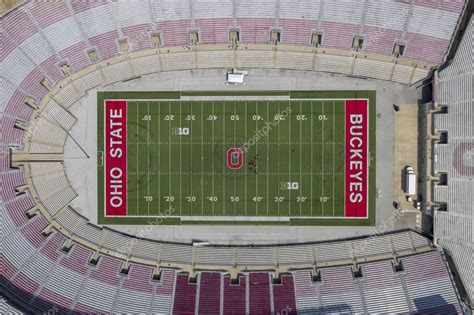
point(235, 158)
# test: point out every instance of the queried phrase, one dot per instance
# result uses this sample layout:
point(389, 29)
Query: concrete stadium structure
point(55, 55)
point(454, 114)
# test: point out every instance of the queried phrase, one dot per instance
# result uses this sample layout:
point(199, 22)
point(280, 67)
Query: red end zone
point(115, 158)
point(356, 159)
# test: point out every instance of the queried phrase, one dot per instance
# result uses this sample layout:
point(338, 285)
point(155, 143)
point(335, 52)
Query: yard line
point(333, 148)
point(289, 159)
point(136, 186)
point(191, 156)
point(278, 156)
point(246, 201)
point(235, 126)
point(322, 161)
point(169, 156)
point(311, 154)
point(180, 166)
point(267, 197)
point(256, 153)
point(148, 157)
point(202, 158)
point(301, 148)
point(159, 160)
point(212, 158)
point(223, 164)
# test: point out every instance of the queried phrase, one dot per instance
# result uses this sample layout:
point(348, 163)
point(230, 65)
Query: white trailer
point(410, 181)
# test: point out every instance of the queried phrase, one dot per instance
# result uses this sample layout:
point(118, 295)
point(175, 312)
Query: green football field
point(229, 159)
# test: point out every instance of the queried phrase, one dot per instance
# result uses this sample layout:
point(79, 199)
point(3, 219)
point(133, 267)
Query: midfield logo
point(235, 158)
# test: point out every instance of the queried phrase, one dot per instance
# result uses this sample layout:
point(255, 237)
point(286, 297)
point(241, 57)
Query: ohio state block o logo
point(235, 158)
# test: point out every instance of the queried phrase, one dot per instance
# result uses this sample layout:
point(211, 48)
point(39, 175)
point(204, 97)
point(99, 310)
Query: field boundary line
point(241, 219)
point(253, 98)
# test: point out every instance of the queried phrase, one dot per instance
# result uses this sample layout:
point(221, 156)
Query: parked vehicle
point(410, 181)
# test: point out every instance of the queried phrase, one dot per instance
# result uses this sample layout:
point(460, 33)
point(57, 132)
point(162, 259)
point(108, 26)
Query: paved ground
point(406, 144)
point(82, 171)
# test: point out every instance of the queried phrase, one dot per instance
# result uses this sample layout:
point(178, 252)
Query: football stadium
point(237, 157)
